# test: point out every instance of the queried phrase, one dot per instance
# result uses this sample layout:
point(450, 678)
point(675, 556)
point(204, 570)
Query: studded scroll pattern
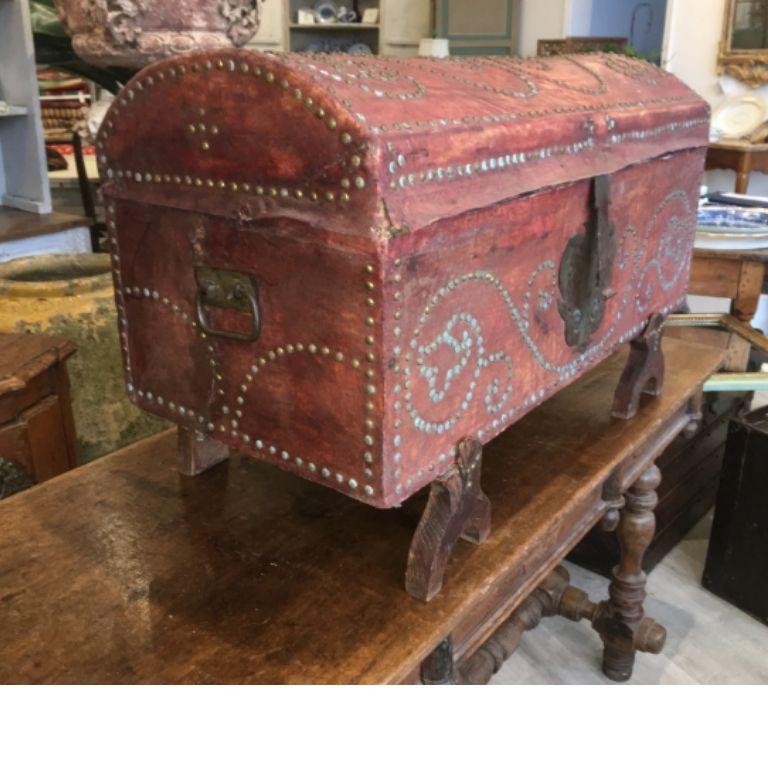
point(671, 249)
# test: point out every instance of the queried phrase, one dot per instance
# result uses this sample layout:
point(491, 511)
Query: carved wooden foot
point(620, 620)
point(644, 371)
point(456, 507)
point(197, 452)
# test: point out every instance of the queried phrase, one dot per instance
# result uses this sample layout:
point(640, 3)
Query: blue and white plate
point(732, 219)
point(731, 227)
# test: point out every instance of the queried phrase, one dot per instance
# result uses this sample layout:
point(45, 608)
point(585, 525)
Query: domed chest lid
point(379, 145)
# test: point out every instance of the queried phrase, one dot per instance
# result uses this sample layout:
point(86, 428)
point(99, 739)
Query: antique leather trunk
point(345, 265)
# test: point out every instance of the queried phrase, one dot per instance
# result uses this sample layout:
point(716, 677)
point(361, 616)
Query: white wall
point(539, 20)
point(694, 28)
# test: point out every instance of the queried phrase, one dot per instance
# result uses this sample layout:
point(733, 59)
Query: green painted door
point(478, 28)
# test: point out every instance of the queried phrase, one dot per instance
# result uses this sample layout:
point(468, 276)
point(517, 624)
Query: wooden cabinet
point(23, 172)
point(37, 433)
point(736, 567)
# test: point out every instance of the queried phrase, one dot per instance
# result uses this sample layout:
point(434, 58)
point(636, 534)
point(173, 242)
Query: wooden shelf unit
point(402, 23)
point(23, 169)
point(11, 110)
point(333, 27)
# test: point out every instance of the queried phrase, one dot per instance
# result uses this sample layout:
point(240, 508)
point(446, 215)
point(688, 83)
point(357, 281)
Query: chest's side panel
point(282, 371)
point(495, 310)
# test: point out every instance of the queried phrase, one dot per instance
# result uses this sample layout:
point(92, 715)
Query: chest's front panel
point(496, 310)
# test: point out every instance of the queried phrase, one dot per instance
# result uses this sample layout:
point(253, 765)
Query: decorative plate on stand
point(738, 116)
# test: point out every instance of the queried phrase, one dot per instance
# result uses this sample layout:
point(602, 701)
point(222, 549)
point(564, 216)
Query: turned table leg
point(457, 507)
point(620, 620)
point(198, 452)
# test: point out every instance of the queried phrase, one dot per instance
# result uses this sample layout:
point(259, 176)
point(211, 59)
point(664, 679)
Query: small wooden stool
point(37, 432)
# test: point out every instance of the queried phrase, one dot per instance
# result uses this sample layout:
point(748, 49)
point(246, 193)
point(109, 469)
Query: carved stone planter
point(133, 33)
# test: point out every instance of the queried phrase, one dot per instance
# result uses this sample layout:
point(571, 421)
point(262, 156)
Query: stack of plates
point(725, 227)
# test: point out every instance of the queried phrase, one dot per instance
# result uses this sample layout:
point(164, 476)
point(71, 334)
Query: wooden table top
point(24, 356)
point(738, 145)
point(16, 224)
point(123, 571)
point(748, 254)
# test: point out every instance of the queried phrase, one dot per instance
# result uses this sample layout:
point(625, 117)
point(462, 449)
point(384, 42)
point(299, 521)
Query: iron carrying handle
point(234, 293)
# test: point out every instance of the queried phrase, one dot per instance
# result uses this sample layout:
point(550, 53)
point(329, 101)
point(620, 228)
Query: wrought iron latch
point(585, 269)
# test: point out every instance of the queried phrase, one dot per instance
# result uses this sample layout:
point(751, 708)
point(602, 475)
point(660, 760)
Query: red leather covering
point(404, 218)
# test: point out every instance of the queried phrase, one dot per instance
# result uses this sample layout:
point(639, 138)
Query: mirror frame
point(749, 66)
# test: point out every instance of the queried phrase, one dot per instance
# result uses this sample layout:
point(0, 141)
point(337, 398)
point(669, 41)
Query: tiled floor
point(708, 640)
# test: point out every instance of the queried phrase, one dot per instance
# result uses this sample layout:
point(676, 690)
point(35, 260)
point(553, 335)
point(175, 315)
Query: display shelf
point(330, 27)
point(335, 35)
point(13, 111)
point(23, 171)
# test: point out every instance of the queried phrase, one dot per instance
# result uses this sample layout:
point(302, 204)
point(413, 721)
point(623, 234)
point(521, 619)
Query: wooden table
point(737, 275)
point(37, 431)
point(739, 156)
point(123, 571)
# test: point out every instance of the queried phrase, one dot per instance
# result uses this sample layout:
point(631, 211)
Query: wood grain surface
point(124, 571)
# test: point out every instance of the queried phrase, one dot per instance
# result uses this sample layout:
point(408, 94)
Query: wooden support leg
point(437, 668)
point(644, 371)
point(456, 507)
point(556, 597)
point(544, 601)
point(750, 287)
point(197, 452)
point(620, 620)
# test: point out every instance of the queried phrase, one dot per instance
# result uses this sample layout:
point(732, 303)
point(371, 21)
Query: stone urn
point(133, 33)
point(71, 295)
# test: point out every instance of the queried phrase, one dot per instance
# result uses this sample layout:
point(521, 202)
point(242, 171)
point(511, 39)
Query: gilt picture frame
point(748, 64)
